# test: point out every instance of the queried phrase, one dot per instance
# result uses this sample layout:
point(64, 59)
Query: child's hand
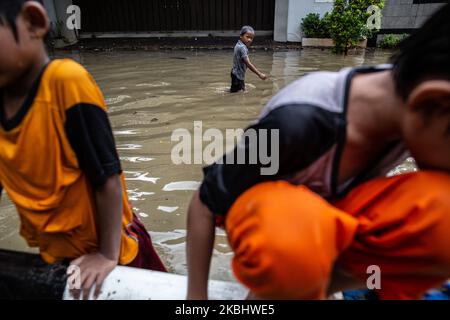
point(262, 76)
point(94, 268)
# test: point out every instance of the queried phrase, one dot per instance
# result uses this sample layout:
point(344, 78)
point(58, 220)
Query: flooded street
point(150, 94)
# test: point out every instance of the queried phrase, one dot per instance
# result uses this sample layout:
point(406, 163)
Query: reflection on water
point(139, 176)
point(150, 95)
point(181, 185)
point(167, 209)
point(408, 166)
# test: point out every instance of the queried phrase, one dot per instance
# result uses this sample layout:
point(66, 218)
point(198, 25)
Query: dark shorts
point(236, 84)
point(147, 258)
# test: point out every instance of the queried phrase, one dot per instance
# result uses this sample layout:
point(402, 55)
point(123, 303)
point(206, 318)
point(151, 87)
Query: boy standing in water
point(58, 161)
point(241, 60)
point(330, 218)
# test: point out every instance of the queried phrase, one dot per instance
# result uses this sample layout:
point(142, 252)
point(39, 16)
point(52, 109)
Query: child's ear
point(430, 98)
point(36, 19)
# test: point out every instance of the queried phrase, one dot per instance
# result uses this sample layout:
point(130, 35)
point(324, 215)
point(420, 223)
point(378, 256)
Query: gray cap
point(247, 29)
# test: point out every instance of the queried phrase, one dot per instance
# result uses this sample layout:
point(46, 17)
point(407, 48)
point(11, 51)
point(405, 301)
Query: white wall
point(60, 13)
point(281, 20)
point(289, 14)
point(48, 4)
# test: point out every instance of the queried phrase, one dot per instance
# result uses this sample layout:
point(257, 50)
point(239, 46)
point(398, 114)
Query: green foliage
point(315, 27)
point(348, 22)
point(391, 41)
point(326, 25)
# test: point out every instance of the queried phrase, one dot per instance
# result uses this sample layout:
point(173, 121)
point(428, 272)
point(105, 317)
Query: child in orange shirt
point(58, 161)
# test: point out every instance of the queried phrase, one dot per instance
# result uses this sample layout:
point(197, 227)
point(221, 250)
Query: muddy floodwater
point(150, 94)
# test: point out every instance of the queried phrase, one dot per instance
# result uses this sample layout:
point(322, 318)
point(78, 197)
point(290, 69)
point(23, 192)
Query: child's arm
point(96, 266)
point(261, 75)
point(225, 181)
point(200, 241)
point(90, 135)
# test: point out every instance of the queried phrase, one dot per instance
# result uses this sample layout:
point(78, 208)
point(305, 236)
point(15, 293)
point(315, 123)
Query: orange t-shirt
point(41, 170)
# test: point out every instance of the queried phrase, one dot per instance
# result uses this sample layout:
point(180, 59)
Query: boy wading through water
point(241, 60)
point(330, 213)
point(58, 160)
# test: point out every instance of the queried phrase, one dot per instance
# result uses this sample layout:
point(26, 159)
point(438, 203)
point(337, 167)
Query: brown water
point(150, 95)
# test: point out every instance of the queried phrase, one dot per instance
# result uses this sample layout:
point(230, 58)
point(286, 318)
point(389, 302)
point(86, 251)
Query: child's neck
point(15, 94)
point(23, 84)
point(375, 109)
point(374, 122)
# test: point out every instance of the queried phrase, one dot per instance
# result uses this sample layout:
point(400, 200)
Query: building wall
point(401, 15)
point(49, 5)
point(57, 11)
point(281, 20)
point(150, 16)
point(289, 14)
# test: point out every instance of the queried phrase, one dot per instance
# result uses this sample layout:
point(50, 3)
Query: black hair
point(246, 29)
point(9, 10)
point(425, 54)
